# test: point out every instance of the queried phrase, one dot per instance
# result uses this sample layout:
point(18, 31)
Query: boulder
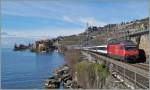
point(53, 82)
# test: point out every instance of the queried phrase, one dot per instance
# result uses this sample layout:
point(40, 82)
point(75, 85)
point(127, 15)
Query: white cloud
point(84, 20)
point(50, 10)
point(68, 19)
point(43, 33)
point(91, 21)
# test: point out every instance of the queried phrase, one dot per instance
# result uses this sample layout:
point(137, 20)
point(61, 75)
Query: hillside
point(95, 35)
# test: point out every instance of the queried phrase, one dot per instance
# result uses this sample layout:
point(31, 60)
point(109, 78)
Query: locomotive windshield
point(130, 48)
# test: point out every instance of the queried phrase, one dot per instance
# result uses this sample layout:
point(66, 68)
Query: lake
point(27, 70)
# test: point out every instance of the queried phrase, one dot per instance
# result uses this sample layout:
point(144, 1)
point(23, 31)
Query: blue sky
point(52, 18)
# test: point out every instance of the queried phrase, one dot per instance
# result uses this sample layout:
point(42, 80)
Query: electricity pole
point(87, 24)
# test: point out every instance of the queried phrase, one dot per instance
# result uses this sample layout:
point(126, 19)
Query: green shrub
point(91, 75)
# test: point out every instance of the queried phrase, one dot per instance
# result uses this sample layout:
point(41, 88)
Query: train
point(123, 50)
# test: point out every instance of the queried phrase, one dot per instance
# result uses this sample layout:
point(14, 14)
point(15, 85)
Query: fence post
point(135, 80)
point(123, 73)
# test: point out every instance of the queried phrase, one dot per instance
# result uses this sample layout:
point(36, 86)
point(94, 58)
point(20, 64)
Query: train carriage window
point(102, 48)
point(130, 47)
point(94, 48)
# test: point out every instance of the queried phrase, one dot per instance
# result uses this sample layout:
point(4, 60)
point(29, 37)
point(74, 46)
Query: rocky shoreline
point(61, 78)
point(22, 47)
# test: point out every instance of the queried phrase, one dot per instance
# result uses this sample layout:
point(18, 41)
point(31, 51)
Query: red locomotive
point(124, 50)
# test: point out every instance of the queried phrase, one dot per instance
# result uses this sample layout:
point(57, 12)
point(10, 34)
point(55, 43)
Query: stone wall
point(143, 44)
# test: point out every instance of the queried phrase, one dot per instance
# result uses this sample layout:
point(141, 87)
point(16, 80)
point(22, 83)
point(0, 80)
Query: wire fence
point(137, 80)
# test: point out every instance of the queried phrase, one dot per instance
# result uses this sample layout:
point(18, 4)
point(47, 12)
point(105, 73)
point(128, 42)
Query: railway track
point(138, 65)
point(142, 66)
point(137, 74)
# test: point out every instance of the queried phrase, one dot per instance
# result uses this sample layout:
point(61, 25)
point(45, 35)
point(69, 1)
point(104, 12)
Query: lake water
point(26, 70)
